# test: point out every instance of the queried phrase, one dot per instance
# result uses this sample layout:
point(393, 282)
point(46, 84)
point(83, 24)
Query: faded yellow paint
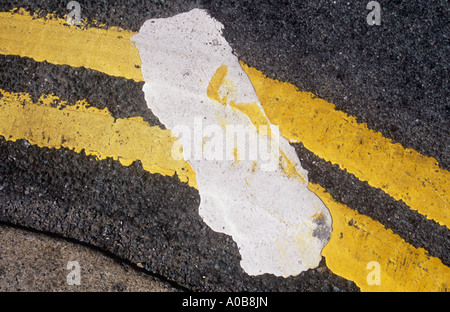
point(253, 111)
point(108, 51)
point(254, 165)
point(337, 137)
point(255, 114)
point(214, 84)
point(289, 168)
point(79, 127)
point(357, 240)
point(235, 156)
point(214, 93)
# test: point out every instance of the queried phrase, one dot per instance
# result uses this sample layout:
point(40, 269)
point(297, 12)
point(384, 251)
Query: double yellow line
point(332, 135)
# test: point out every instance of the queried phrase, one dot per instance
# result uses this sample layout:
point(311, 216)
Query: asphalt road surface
point(392, 77)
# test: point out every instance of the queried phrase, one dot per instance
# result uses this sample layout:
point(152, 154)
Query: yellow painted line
point(356, 239)
point(95, 131)
point(403, 173)
point(108, 51)
point(334, 136)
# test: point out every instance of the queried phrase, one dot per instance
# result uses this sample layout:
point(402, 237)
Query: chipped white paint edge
point(279, 225)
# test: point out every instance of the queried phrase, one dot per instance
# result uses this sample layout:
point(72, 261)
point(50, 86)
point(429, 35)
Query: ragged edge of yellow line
point(53, 40)
point(403, 173)
point(334, 136)
point(79, 127)
point(356, 239)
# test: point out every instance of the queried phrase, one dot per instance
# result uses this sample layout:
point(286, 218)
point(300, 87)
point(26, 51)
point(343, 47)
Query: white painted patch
point(279, 225)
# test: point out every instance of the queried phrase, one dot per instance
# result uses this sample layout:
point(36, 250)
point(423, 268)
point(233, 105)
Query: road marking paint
point(355, 241)
point(108, 51)
point(332, 135)
point(191, 74)
point(95, 131)
point(337, 137)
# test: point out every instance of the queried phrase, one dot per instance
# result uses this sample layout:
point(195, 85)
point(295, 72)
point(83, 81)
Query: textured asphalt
point(394, 77)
